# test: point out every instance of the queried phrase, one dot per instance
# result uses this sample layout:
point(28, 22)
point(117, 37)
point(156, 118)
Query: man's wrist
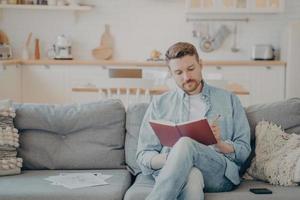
point(224, 147)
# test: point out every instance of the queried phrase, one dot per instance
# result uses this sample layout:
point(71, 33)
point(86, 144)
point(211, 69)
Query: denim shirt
point(174, 106)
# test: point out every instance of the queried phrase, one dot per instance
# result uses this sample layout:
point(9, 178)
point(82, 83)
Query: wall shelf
point(45, 7)
point(235, 88)
point(152, 91)
point(73, 8)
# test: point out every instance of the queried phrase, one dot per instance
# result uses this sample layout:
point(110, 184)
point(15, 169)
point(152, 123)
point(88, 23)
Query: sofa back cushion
point(284, 113)
point(134, 117)
point(76, 136)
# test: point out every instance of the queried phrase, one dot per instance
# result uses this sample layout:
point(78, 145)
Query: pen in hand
point(216, 119)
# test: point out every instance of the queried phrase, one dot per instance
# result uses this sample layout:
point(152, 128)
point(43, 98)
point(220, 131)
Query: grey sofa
point(102, 137)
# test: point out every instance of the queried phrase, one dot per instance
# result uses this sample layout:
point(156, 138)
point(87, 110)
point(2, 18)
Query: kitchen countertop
point(238, 63)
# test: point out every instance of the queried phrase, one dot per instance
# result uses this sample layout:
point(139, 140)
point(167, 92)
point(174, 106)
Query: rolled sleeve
point(145, 162)
point(241, 136)
point(230, 156)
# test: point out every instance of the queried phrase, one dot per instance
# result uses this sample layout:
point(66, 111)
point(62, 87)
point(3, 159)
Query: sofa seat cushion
point(141, 188)
point(31, 185)
point(242, 192)
point(144, 184)
point(75, 136)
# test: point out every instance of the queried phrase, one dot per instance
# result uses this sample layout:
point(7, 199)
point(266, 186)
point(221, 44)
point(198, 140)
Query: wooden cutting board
point(3, 38)
point(102, 53)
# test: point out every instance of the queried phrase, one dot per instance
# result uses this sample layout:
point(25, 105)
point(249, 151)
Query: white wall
point(293, 60)
point(138, 26)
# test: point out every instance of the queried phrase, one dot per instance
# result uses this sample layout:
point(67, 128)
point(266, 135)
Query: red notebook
point(169, 133)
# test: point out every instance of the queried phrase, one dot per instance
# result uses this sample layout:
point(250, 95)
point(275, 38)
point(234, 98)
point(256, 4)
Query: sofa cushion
point(242, 192)
point(76, 136)
point(284, 113)
point(31, 185)
point(144, 184)
point(134, 117)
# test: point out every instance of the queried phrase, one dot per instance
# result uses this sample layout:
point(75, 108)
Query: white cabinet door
point(44, 84)
point(228, 75)
point(10, 82)
point(268, 84)
point(234, 6)
point(265, 83)
point(84, 76)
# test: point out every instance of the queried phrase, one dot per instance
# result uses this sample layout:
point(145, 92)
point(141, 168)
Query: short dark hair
point(181, 49)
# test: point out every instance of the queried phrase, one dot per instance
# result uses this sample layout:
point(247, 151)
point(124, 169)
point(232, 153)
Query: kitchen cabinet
point(234, 6)
point(264, 83)
point(10, 82)
point(84, 76)
point(51, 81)
point(43, 84)
point(54, 83)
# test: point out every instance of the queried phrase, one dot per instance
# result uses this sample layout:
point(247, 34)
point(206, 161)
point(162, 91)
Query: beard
point(191, 85)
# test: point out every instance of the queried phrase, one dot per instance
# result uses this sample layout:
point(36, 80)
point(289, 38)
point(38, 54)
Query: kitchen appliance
point(209, 44)
point(5, 52)
point(262, 52)
point(62, 49)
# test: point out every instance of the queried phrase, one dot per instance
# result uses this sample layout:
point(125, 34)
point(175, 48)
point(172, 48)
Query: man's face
point(187, 73)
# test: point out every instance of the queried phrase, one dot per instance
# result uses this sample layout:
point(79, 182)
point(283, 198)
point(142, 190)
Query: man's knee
point(184, 143)
point(189, 144)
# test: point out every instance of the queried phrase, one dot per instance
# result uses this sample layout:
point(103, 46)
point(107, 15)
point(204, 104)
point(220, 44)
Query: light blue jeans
point(189, 164)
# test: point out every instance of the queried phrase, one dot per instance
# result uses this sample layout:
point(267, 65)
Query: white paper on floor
point(78, 180)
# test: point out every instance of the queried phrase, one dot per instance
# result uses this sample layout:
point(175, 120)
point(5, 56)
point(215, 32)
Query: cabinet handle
point(218, 67)
point(47, 66)
point(268, 67)
point(3, 67)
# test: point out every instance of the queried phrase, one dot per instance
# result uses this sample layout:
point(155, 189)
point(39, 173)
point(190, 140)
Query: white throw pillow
point(276, 155)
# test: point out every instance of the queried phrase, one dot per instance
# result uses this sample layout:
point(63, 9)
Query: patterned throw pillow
point(276, 155)
point(9, 141)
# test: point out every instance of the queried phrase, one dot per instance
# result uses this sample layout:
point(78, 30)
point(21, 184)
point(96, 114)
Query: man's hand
point(221, 146)
point(216, 131)
point(158, 161)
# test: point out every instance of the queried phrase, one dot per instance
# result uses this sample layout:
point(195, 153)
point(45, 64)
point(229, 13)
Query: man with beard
point(189, 168)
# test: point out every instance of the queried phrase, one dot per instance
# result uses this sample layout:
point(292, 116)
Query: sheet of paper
point(78, 180)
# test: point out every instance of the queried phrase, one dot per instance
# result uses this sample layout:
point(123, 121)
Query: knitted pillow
point(276, 155)
point(9, 141)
